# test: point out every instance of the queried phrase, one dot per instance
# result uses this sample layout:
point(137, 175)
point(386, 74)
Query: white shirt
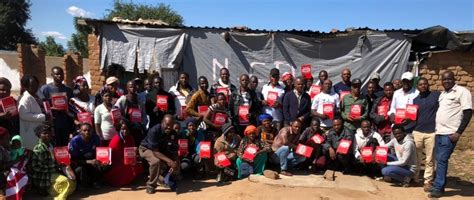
point(401, 99)
point(360, 141)
point(88, 106)
point(451, 105)
point(103, 117)
point(276, 113)
point(321, 99)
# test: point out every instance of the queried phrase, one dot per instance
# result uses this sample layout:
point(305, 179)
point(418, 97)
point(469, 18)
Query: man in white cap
point(403, 97)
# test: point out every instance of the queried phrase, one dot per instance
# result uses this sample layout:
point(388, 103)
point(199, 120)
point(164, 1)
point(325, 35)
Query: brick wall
point(462, 64)
point(72, 65)
point(97, 77)
point(31, 61)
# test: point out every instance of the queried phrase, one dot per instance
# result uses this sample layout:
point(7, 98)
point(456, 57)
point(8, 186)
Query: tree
point(133, 11)
point(78, 42)
point(51, 48)
point(13, 17)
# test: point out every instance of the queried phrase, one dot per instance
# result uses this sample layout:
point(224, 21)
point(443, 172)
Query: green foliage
point(134, 11)
point(13, 17)
point(78, 42)
point(51, 48)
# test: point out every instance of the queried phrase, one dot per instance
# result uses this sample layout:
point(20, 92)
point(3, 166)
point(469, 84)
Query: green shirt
point(346, 104)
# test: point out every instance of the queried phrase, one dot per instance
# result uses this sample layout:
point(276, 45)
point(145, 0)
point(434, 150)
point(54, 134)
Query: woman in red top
point(120, 174)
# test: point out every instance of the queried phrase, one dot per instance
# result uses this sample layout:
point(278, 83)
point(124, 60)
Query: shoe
point(219, 178)
point(150, 190)
point(387, 179)
point(285, 173)
point(435, 194)
point(427, 187)
point(406, 182)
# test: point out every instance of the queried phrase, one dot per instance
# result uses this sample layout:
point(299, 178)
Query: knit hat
point(226, 128)
point(250, 130)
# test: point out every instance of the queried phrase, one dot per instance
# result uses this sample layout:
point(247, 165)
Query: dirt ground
point(460, 186)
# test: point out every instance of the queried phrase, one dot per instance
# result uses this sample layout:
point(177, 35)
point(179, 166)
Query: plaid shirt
point(246, 142)
point(43, 165)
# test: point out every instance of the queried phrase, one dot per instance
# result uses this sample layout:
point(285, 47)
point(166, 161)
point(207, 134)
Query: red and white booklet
point(272, 97)
point(366, 153)
point(243, 115)
point(411, 111)
point(315, 90)
point(203, 109)
point(304, 150)
point(355, 111)
point(220, 118)
point(84, 117)
point(344, 146)
point(205, 149)
point(59, 101)
point(381, 155)
point(62, 156)
point(182, 147)
point(47, 108)
point(318, 139)
point(328, 109)
point(250, 152)
point(222, 160)
point(8, 104)
point(306, 71)
point(130, 155)
point(116, 115)
point(103, 155)
point(162, 102)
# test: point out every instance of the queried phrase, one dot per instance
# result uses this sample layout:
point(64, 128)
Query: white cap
point(408, 76)
point(375, 75)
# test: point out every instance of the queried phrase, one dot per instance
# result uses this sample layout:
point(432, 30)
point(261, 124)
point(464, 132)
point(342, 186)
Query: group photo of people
point(55, 140)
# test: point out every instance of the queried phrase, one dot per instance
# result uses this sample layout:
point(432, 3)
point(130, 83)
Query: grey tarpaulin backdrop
point(202, 52)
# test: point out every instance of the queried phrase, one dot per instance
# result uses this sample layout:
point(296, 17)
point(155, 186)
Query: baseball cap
point(356, 82)
point(111, 80)
point(408, 76)
point(375, 75)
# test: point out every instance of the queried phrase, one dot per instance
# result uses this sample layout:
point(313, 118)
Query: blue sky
point(55, 17)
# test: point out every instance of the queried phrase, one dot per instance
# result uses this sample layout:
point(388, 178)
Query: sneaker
point(286, 173)
point(435, 194)
point(150, 190)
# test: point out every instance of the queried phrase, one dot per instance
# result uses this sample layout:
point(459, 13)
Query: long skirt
point(258, 164)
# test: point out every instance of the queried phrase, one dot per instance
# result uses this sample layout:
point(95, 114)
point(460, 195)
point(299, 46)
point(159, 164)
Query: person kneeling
point(252, 154)
point(337, 147)
point(226, 152)
point(365, 142)
point(287, 139)
point(154, 149)
point(402, 167)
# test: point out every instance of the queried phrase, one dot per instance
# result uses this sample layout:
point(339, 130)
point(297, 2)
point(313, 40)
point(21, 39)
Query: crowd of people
point(55, 139)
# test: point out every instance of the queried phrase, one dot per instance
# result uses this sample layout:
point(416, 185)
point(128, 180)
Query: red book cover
point(103, 155)
point(220, 118)
point(344, 146)
point(184, 114)
point(62, 156)
point(130, 155)
point(328, 109)
point(318, 139)
point(47, 107)
point(343, 93)
point(59, 101)
point(400, 115)
point(356, 111)
point(162, 102)
point(250, 152)
point(306, 71)
point(223, 90)
point(203, 109)
point(366, 153)
point(411, 112)
point(205, 149)
point(315, 90)
point(304, 150)
point(182, 147)
point(9, 105)
point(381, 154)
point(243, 112)
point(382, 110)
point(272, 98)
point(135, 115)
point(222, 160)
point(84, 117)
point(116, 115)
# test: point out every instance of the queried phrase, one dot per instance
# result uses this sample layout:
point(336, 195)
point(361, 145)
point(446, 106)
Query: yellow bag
point(61, 186)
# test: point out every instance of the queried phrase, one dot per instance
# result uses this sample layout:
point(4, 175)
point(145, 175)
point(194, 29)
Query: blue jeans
point(397, 173)
point(443, 149)
point(282, 156)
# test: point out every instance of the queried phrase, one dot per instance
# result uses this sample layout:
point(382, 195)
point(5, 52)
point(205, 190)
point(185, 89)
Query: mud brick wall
point(462, 64)
point(97, 77)
point(72, 65)
point(31, 61)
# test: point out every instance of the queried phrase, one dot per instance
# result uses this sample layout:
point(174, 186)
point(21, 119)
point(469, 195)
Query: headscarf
point(264, 117)
point(16, 153)
point(250, 130)
point(286, 76)
point(78, 82)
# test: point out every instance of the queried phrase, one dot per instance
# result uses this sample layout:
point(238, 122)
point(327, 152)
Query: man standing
point(243, 100)
point(222, 84)
point(155, 149)
point(286, 140)
point(63, 123)
point(354, 107)
point(328, 97)
point(296, 104)
point(152, 110)
point(423, 133)
point(402, 97)
point(273, 98)
point(254, 86)
point(375, 78)
point(345, 84)
point(379, 112)
point(452, 118)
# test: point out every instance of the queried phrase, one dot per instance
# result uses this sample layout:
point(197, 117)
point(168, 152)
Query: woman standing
point(82, 100)
point(104, 125)
point(30, 111)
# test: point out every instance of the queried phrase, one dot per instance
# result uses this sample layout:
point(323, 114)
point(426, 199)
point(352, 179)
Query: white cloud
point(55, 34)
point(78, 12)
